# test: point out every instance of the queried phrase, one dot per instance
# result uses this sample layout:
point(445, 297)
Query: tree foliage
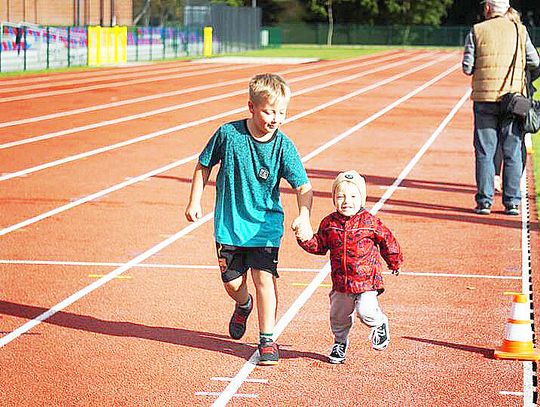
point(156, 12)
point(384, 12)
point(378, 12)
point(416, 12)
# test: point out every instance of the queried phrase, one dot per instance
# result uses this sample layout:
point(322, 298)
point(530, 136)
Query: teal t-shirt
point(248, 209)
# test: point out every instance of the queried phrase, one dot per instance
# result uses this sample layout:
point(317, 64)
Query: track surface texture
point(109, 297)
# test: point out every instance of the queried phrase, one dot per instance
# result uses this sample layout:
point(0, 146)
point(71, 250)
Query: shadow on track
point(176, 336)
point(487, 353)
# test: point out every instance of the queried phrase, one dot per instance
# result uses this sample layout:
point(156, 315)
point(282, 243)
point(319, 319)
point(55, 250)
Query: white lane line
point(196, 102)
point(102, 281)
point(387, 186)
point(215, 394)
point(180, 92)
point(160, 133)
point(92, 79)
point(529, 388)
point(248, 367)
point(142, 265)
point(421, 152)
point(96, 195)
point(95, 73)
point(421, 274)
point(228, 379)
point(119, 84)
point(139, 259)
point(170, 166)
point(214, 267)
point(308, 157)
point(511, 393)
point(381, 113)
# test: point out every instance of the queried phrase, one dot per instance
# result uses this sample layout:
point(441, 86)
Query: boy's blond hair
point(268, 87)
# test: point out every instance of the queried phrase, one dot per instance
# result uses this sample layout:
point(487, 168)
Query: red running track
point(109, 297)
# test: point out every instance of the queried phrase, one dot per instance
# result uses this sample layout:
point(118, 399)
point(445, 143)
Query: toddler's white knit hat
point(353, 177)
point(498, 6)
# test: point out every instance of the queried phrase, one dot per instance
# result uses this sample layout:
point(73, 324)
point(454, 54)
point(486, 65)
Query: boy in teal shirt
point(253, 155)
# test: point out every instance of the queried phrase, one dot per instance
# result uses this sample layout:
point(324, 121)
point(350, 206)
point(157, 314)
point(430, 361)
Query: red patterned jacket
point(356, 244)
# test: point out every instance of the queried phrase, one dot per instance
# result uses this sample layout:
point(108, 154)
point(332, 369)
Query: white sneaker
point(380, 336)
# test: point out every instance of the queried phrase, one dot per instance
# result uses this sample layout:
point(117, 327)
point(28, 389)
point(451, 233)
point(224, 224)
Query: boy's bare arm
point(301, 225)
point(200, 178)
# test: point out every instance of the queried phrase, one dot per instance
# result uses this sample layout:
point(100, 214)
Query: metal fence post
point(1, 46)
point(151, 41)
point(163, 42)
point(69, 47)
point(136, 44)
point(48, 46)
point(24, 45)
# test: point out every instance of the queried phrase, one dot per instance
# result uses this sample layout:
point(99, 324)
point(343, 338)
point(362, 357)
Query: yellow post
point(207, 44)
point(107, 45)
point(94, 46)
point(121, 40)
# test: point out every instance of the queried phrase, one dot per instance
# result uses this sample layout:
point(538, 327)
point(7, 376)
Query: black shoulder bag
point(520, 107)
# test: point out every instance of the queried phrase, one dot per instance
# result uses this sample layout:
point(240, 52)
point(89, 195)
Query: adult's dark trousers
point(492, 128)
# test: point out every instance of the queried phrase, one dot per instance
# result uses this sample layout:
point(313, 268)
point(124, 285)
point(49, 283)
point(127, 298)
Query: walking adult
point(497, 53)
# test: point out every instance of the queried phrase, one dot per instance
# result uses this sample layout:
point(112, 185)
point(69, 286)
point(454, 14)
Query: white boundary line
point(93, 72)
point(196, 102)
point(213, 267)
point(208, 119)
point(155, 249)
point(95, 195)
point(180, 162)
point(182, 91)
point(528, 386)
point(181, 69)
point(118, 84)
point(214, 394)
point(183, 161)
point(102, 281)
point(169, 167)
point(248, 367)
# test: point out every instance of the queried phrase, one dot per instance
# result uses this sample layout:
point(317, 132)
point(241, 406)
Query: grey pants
point(342, 309)
point(492, 130)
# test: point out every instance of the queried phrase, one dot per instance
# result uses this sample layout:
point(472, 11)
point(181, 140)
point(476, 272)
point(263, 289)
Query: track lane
point(159, 105)
point(161, 101)
point(295, 357)
point(38, 186)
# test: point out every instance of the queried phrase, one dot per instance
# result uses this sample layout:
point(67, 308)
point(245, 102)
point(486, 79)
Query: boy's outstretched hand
point(396, 272)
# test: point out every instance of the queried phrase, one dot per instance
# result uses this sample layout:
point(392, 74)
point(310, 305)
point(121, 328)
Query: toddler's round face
point(347, 199)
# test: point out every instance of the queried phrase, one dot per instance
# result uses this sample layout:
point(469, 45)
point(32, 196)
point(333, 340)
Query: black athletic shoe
point(237, 324)
point(512, 210)
point(380, 336)
point(337, 355)
point(268, 353)
point(483, 208)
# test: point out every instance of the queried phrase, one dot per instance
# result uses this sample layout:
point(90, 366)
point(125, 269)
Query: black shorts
point(234, 261)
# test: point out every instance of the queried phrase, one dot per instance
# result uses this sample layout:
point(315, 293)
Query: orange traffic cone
point(517, 343)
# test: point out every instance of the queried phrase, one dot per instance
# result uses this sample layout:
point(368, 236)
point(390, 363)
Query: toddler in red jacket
point(358, 242)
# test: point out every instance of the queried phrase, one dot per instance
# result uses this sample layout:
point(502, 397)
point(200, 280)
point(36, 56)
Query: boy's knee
point(262, 278)
point(235, 284)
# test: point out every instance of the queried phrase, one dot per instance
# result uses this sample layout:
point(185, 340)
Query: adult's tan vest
point(495, 45)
